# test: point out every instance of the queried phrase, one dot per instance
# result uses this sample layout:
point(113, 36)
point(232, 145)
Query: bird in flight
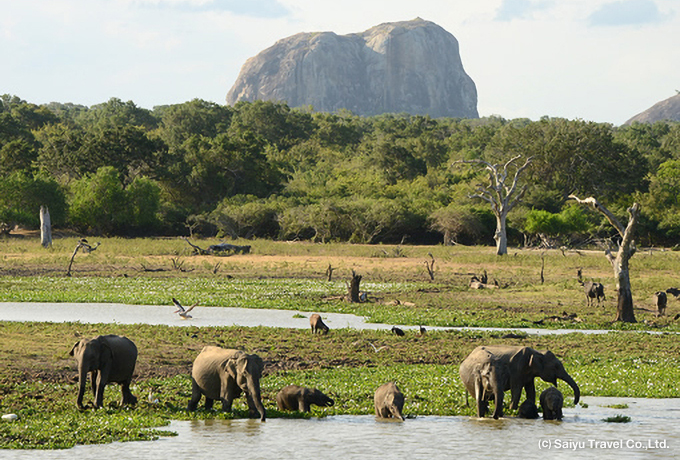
point(183, 313)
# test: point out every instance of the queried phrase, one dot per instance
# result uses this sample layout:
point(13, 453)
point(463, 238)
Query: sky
point(594, 60)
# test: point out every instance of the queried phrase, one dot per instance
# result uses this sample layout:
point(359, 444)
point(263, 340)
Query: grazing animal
point(551, 401)
point(675, 292)
point(183, 313)
point(317, 324)
point(660, 300)
point(389, 401)
point(397, 331)
point(294, 397)
point(592, 289)
point(527, 409)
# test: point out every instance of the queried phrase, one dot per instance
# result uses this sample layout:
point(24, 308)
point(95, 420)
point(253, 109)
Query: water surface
point(654, 432)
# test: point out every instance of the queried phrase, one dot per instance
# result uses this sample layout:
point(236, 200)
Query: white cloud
point(520, 9)
point(627, 12)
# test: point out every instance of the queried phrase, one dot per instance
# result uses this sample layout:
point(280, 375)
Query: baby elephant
point(294, 397)
point(389, 401)
point(527, 409)
point(317, 324)
point(551, 404)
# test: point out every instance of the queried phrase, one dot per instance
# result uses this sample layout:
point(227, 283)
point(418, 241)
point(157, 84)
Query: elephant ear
point(257, 361)
point(242, 364)
point(522, 360)
point(73, 349)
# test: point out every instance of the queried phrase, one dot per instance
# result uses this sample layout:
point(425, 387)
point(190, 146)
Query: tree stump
point(45, 227)
point(353, 288)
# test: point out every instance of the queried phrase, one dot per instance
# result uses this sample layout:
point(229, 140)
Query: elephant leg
point(530, 389)
point(195, 396)
point(498, 409)
point(128, 398)
point(101, 385)
point(209, 403)
point(93, 382)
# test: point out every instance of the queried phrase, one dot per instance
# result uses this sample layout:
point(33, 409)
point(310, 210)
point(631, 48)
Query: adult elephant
point(224, 374)
point(295, 397)
point(108, 359)
point(486, 379)
point(523, 365)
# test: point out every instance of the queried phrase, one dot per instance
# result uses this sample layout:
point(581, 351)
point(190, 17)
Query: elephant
point(523, 364)
point(486, 379)
point(220, 373)
point(317, 324)
point(551, 403)
point(527, 409)
point(294, 397)
point(108, 359)
point(389, 401)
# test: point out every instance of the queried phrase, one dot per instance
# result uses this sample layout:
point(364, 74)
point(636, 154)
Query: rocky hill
point(411, 66)
point(668, 109)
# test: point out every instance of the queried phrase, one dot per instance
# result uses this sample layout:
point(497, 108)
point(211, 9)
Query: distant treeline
point(265, 170)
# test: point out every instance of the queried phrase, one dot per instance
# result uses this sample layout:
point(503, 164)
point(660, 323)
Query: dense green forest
point(265, 170)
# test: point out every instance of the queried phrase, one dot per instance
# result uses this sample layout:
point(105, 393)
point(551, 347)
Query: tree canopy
point(262, 169)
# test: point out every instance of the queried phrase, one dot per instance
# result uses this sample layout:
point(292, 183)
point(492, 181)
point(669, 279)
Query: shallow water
point(202, 316)
point(654, 432)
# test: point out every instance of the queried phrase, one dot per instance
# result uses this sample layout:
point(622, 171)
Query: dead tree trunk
point(502, 197)
point(82, 243)
point(626, 250)
point(45, 227)
point(353, 288)
point(430, 267)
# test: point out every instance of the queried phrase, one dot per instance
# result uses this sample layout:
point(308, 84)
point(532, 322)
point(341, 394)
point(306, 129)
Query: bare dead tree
point(626, 250)
point(501, 196)
point(430, 266)
point(542, 266)
point(86, 247)
point(329, 272)
point(45, 227)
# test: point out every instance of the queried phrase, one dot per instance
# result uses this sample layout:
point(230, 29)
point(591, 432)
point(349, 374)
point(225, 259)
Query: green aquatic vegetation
point(617, 419)
point(617, 406)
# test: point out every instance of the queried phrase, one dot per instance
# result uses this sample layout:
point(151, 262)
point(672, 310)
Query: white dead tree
point(624, 309)
point(45, 227)
point(502, 196)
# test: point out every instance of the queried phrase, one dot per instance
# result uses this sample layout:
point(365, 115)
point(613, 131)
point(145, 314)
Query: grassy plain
point(38, 379)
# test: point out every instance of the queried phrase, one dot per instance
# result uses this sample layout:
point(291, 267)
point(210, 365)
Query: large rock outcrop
point(668, 109)
point(411, 66)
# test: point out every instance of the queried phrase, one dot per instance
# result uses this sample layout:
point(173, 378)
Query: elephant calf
point(223, 374)
point(294, 397)
point(527, 409)
point(389, 401)
point(317, 324)
point(551, 401)
point(108, 359)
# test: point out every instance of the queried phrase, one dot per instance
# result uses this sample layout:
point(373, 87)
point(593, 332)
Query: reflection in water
point(653, 432)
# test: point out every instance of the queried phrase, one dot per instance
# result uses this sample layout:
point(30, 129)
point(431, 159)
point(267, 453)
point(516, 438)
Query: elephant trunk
point(577, 392)
point(254, 394)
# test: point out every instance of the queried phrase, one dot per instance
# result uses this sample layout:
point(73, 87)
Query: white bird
point(377, 349)
point(183, 313)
